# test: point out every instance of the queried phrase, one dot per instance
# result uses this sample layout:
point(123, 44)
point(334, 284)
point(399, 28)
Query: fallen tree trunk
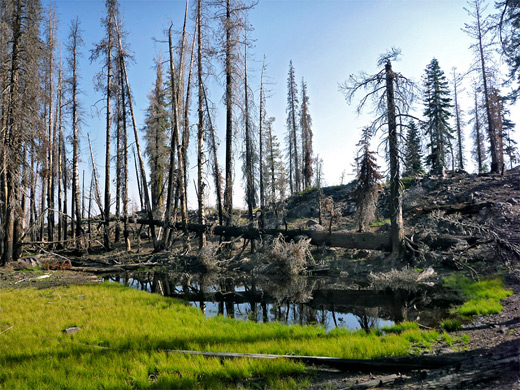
point(398, 364)
point(115, 268)
point(339, 239)
point(461, 208)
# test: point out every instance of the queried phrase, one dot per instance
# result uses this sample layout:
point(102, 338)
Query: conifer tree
point(274, 172)
point(106, 49)
point(508, 20)
point(75, 43)
point(392, 94)
point(437, 114)
point(20, 115)
point(306, 135)
point(292, 132)
point(413, 152)
point(458, 120)
point(249, 156)
point(480, 31)
point(478, 151)
point(367, 181)
point(156, 136)
point(510, 145)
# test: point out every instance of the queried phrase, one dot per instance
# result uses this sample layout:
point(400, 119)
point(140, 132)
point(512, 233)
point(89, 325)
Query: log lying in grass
point(398, 364)
point(339, 239)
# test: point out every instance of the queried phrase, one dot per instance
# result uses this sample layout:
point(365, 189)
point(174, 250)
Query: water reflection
point(325, 301)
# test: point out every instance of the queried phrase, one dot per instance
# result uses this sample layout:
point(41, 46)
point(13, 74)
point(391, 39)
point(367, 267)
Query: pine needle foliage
point(156, 136)
point(413, 152)
point(368, 178)
point(437, 114)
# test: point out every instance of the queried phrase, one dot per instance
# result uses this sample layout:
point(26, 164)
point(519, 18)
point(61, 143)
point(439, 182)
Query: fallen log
point(115, 268)
point(461, 208)
point(398, 364)
point(339, 239)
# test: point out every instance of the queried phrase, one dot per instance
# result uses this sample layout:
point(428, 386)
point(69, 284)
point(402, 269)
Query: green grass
point(125, 335)
point(452, 325)
point(483, 298)
point(400, 328)
point(380, 223)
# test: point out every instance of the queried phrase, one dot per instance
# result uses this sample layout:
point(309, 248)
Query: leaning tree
point(391, 95)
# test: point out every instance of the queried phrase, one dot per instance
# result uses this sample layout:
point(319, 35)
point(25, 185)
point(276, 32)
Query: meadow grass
point(125, 336)
point(483, 298)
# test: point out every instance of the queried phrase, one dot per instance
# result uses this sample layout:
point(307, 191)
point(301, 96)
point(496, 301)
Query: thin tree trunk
point(216, 170)
point(261, 148)
point(228, 191)
point(250, 184)
point(200, 129)
point(396, 211)
point(139, 183)
point(59, 157)
point(491, 125)
point(94, 172)
point(137, 144)
point(457, 122)
point(124, 136)
point(175, 144)
point(186, 122)
point(51, 133)
point(75, 136)
point(106, 235)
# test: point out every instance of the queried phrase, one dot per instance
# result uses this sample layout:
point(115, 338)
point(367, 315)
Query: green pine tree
point(413, 153)
point(368, 181)
point(156, 137)
point(437, 112)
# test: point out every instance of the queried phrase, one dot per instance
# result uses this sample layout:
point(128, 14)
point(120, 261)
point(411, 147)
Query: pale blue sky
point(327, 40)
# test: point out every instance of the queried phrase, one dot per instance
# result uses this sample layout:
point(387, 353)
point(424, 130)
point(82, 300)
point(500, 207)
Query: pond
point(331, 302)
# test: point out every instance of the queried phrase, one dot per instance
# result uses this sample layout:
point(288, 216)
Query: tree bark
point(106, 235)
point(200, 129)
point(396, 209)
point(75, 131)
point(336, 239)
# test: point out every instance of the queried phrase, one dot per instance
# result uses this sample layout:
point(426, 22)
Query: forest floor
point(481, 214)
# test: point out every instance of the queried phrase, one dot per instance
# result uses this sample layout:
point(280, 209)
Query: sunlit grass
point(126, 334)
point(483, 298)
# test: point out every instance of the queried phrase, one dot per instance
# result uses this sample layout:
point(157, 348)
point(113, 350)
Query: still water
point(331, 302)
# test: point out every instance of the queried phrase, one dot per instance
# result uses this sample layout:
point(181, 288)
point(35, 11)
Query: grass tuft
point(483, 298)
point(452, 325)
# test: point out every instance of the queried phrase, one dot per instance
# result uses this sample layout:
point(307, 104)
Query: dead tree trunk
point(200, 129)
point(148, 205)
point(396, 209)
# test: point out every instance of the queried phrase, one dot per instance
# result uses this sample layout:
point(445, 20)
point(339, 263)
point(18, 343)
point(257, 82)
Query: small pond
point(331, 302)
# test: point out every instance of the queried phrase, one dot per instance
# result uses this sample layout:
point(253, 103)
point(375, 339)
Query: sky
point(327, 40)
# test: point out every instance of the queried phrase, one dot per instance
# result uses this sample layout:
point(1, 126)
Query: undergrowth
point(482, 298)
point(126, 338)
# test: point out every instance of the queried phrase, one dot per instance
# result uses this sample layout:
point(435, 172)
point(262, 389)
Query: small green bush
point(452, 325)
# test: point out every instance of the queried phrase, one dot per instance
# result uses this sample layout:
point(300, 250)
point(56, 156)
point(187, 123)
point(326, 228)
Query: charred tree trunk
point(76, 40)
point(200, 128)
point(396, 209)
point(228, 191)
point(106, 233)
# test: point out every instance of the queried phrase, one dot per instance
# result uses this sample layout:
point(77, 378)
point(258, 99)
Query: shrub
point(287, 258)
point(452, 325)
